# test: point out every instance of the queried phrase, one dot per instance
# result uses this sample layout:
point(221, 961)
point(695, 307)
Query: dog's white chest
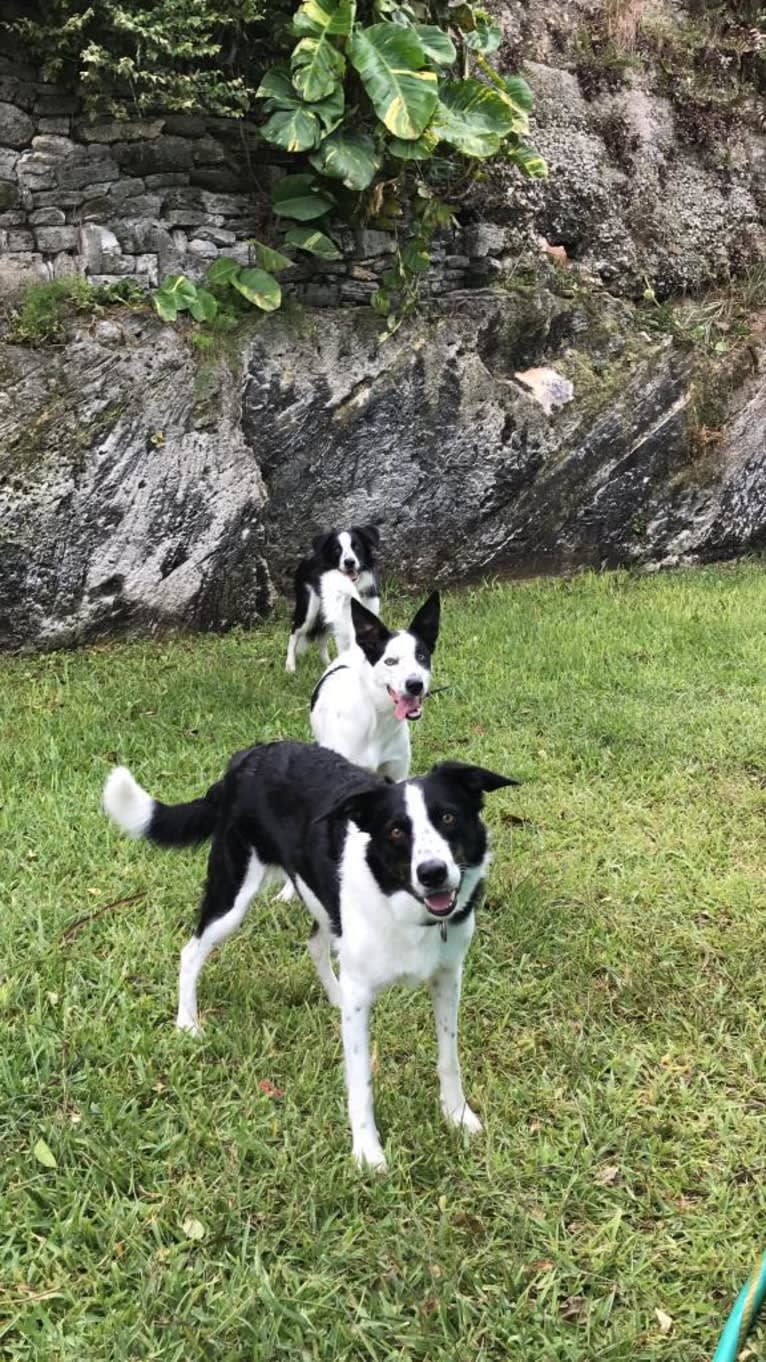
point(381, 945)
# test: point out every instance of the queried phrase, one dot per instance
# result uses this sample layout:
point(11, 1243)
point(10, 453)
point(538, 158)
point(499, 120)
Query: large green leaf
point(529, 162)
point(514, 90)
point(277, 86)
point(519, 92)
point(278, 91)
point(486, 36)
point(175, 295)
point(292, 129)
point(269, 259)
point(259, 288)
point(316, 67)
point(330, 111)
point(417, 150)
point(333, 17)
point(300, 197)
point(347, 156)
point(222, 271)
point(472, 118)
point(415, 257)
point(315, 242)
point(204, 306)
point(437, 45)
point(390, 62)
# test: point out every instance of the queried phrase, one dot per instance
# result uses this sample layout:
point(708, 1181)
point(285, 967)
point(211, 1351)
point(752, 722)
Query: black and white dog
point(391, 874)
point(339, 569)
point(361, 705)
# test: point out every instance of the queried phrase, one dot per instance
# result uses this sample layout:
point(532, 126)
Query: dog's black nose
point(413, 685)
point(432, 873)
point(349, 562)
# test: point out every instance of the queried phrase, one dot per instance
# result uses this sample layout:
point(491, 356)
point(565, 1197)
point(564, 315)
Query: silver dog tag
point(443, 930)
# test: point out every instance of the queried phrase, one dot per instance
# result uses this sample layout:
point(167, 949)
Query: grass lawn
point(613, 1027)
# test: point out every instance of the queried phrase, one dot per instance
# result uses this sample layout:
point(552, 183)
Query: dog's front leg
point(356, 1002)
point(445, 996)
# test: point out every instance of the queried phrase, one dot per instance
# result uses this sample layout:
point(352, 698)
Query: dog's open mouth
point(441, 904)
point(406, 706)
point(351, 573)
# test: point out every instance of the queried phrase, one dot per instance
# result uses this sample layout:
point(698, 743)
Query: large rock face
point(128, 498)
point(433, 437)
point(142, 487)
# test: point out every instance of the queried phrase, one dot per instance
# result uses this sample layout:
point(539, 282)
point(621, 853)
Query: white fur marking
point(427, 843)
point(445, 997)
point(127, 803)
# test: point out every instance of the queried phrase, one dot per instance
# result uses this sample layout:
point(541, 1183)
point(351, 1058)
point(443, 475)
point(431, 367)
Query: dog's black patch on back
point(272, 795)
point(321, 681)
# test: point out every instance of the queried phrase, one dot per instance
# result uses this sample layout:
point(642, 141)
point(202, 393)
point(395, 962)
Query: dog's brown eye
point(448, 820)
point(396, 834)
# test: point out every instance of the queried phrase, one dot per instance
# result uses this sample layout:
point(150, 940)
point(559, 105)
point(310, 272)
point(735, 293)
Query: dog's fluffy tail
point(171, 825)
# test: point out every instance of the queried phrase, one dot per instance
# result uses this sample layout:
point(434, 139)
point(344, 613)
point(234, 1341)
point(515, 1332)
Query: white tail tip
point(125, 801)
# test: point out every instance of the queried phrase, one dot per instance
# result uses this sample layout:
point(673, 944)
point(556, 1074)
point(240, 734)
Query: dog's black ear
point(321, 542)
point(371, 633)
point(370, 534)
point(360, 806)
point(474, 780)
point(425, 625)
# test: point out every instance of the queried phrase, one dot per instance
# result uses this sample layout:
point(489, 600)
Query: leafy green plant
point(370, 105)
point(226, 283)
point(45, 309)
point(170, 55)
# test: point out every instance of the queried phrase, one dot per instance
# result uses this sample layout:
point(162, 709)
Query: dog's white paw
point(464, 1119)
point(188, 1024)
point(370, 1156)
point(286, 893)
point(290, 666)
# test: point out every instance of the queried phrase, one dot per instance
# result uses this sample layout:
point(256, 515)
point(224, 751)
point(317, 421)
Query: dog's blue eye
point(390, 661)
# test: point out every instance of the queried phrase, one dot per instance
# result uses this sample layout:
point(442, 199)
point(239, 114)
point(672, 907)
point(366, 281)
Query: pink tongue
point(404, 705)
point(439, 902)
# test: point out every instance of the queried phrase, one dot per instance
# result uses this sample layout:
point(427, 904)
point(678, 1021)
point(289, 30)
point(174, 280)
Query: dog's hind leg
point(445, 996)
point(287, 892)
point(319, 950)
point(304, 622)
point(234, 875)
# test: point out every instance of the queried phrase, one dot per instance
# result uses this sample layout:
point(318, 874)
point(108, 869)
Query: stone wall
point(144, 198)
point(149, 197)
point(645, 183)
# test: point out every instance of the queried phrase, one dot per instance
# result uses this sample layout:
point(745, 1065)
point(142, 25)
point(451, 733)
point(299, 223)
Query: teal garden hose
point(746, 1307)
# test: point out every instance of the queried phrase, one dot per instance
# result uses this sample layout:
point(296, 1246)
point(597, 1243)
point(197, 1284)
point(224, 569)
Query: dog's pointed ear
point(474, 780)
point(320, 541)
point(358, 805)
point(425, 625)
point(370, 534)
point(371, 633)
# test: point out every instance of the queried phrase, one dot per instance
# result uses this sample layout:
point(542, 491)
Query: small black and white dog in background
point(361, 705)
point(391, 874)
point(339, 569)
